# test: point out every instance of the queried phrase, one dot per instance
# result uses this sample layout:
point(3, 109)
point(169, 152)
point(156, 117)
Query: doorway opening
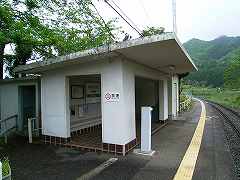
point(146, 94)
point(27, 102)
point(85, 111)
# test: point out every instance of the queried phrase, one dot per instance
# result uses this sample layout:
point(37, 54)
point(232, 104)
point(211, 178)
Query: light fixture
point(172, 68)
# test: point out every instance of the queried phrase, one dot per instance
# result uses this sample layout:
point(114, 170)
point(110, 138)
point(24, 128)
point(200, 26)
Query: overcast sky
point(203, 19)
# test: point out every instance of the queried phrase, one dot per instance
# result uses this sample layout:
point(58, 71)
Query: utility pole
point(174, 16)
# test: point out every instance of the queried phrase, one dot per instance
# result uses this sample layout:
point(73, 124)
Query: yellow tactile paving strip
point(187, 166)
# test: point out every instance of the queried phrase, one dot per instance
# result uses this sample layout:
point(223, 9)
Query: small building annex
point(99, 92)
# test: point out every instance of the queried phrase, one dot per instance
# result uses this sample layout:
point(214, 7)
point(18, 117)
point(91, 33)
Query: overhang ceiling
point(162, 55)
point(162, 52)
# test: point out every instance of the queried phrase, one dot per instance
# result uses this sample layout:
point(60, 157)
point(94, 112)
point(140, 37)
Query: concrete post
point(30, 130)
point(0, 170)
point(146, 129)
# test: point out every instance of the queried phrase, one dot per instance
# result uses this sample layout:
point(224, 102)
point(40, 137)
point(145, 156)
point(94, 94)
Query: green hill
point(212, 58)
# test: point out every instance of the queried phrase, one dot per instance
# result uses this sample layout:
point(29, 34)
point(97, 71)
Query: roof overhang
point(162, 52)
point(19, 80)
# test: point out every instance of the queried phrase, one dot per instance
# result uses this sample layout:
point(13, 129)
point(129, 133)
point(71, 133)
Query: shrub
point(183, 98)
point(5, 167)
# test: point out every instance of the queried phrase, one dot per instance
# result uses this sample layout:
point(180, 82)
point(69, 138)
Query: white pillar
point(170, 97)
point(173, 96)
point(118, 113)
point(177, 82)
point(163, 100)
point(146, 129)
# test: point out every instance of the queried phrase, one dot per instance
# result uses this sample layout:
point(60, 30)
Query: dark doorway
point(146, 94)
point(27, 97)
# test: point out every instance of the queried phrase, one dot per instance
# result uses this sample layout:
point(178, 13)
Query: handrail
point(6, 131)
point(32, 127)
point(8, 118)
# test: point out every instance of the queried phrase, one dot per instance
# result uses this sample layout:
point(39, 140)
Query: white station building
point(94, 98)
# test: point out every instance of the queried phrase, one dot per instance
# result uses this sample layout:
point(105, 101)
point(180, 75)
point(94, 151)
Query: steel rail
point(225, 116)
point(231, 119)
point(224, 107)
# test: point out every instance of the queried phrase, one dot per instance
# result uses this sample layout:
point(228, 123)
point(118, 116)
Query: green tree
point(45, 28)
point(212, 58)
point(232, 74)
point(149, 31)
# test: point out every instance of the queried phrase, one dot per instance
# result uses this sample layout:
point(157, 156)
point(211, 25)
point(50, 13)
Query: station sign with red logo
point(111, 97)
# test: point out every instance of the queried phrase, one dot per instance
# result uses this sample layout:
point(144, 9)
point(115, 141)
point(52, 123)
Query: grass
point(4, 160)
point(5, 167)
point(229, 98)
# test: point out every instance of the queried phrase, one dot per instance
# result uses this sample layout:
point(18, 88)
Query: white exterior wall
point(54, 105)
point(163, 99)
point(55, 100)
point(9, 99)
point(118, 118)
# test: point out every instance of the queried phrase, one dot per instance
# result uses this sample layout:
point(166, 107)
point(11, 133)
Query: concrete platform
point(214, 161)
point(170, 143)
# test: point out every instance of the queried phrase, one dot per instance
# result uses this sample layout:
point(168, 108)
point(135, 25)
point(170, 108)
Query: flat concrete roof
point(23, 79)
point(159, 52)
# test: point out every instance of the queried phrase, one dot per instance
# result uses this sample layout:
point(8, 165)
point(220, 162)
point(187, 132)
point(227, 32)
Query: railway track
point(231, 124)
